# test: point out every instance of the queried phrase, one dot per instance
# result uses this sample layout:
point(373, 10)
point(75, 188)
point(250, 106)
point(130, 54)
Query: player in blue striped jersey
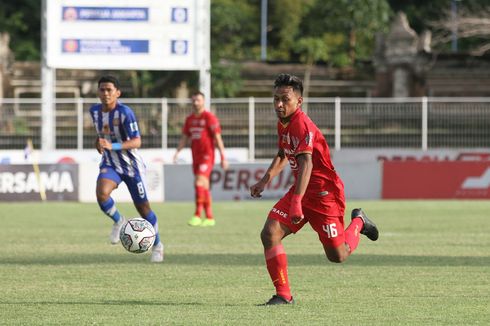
point(118, 140)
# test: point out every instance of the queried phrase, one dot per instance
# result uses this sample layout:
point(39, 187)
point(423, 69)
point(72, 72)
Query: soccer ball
point(137, 235)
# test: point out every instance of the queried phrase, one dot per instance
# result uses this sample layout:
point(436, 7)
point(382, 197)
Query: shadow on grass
point(246, 260)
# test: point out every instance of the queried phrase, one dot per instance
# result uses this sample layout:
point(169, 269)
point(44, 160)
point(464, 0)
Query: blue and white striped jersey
point(116, 126)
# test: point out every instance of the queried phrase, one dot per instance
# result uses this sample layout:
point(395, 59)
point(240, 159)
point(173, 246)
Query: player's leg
point(199, 195)
point(338, 243)
point(277, 227)
point(203, 181)
point(137, 189)
point(107, 181)
point(369, 229)
point(276, 260)
point(360, 224)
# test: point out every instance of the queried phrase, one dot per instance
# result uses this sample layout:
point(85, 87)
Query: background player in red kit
point(203, 130)
point(317, 196)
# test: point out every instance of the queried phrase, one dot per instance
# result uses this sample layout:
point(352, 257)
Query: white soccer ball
point(137, 235)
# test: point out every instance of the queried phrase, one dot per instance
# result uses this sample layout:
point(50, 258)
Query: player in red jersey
point(316, 197)
point(203, 130)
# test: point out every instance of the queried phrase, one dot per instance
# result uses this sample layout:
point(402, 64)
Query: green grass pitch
point(430, 266)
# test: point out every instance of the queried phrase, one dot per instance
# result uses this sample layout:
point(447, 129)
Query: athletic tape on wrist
point(116, 146)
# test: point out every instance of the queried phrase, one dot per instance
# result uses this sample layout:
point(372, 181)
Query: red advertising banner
point(436, 180)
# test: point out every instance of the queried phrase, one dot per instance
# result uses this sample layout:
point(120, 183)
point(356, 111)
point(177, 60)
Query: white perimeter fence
point(414, 123)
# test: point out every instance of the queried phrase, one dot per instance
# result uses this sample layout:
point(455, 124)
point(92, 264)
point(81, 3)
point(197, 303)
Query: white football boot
point(116, 228)
point(157, 253)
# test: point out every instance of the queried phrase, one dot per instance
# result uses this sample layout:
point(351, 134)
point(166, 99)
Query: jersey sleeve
point(302, 138)
point(213, 124)
point(131, 124)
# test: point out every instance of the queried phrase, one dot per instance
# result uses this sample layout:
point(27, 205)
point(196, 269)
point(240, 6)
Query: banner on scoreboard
point(436, 180)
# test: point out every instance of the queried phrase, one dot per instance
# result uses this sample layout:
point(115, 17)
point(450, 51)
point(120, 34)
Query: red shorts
point(203, 165)
point(325, 213)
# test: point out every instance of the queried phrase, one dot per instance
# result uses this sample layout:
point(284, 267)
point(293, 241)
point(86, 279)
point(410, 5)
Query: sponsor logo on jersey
point(285, 138)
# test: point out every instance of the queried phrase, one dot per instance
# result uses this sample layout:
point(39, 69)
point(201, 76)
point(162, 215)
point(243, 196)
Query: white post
point(48, 76)
point(79, 123)
point(337, 123)
point(251, 129)
point(204, 48)
point(205, 86)
point(425, 112)
point(164, 104)
point(263, 30)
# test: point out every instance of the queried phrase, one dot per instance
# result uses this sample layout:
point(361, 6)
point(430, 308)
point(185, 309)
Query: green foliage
point(347, 26)
point(284, 20)
point(58, 268)
point(22, 20)
point(225, 79)
point(235, 37)
point(312, 49)
point(235, 30)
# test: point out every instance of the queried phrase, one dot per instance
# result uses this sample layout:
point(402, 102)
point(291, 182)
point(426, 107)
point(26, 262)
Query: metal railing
point(422, 123)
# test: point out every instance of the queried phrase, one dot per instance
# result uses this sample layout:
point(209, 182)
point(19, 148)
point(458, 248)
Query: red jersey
point(301, 135)
point(201, 130)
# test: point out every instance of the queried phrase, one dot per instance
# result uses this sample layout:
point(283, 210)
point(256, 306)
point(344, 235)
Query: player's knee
point(337, 257)
point(267, 237)
point(102, 197)
point(337, 260)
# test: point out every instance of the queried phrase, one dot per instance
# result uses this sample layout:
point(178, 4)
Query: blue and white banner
point(71, 13)
point(98, 46)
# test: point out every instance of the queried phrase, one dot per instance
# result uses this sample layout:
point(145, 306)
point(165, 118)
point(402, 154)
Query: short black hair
point(289, 80)
point(195, 93)
point(109, 79)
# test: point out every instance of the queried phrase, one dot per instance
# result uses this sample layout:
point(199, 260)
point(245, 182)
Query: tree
point(24, 27)
point(285, 18)
point(311, 50)
point(470, 25)
point(435, 15)
point(234, 38)
point(349, 27)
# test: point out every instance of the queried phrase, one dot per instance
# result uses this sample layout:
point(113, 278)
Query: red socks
point(353, 233)
point(200, 199)
point(203, 200)
point(207, 204)
point(277, 265)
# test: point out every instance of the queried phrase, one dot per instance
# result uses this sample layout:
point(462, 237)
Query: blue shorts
point(135, 184)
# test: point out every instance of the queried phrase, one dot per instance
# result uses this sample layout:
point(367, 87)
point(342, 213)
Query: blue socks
point(109, 209)
point(152, 218)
